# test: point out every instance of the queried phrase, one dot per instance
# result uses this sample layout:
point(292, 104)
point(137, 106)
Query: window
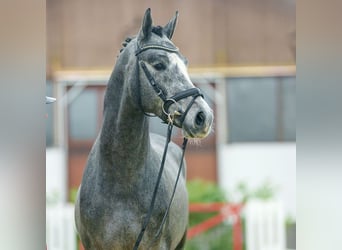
point(261, 109)
point(84, 115)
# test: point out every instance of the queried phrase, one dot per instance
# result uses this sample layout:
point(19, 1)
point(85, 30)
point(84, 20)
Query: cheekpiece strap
point(150, 78)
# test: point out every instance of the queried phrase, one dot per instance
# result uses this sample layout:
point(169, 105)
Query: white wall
point(254, 163)
point(56, 174)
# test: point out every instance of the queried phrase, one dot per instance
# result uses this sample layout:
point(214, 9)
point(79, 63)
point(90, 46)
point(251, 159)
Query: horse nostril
point(200, 118)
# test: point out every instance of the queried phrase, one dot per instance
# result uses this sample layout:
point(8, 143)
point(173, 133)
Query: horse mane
point(158, 30)
point(124, 43)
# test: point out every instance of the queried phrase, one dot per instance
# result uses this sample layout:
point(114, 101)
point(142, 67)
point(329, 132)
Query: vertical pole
point(237, 231)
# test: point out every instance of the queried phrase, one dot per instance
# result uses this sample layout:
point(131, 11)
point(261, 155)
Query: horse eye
point(159, 66)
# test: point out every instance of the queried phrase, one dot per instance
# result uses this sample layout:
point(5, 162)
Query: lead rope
point(150, 210)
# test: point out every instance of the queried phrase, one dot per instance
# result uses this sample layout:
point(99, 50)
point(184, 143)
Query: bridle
point(167, 102)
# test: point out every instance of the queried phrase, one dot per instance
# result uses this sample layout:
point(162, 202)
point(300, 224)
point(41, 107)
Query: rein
point(167, 102)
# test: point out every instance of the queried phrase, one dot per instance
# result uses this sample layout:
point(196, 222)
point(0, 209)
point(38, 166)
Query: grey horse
point(122, 167)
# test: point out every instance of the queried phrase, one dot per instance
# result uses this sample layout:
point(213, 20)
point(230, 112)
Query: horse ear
point(146, 27)
point(170, 27)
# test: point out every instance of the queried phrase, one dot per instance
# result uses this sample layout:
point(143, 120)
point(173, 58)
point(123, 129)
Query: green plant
point(218, 237)
point(73, 195)
point(202, 191)
point(265, 191)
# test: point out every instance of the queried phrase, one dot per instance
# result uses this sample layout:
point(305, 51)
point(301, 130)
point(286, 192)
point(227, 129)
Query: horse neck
point(124, 137)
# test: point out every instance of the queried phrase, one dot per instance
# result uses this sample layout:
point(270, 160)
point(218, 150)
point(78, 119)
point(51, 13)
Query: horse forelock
point(158, 30)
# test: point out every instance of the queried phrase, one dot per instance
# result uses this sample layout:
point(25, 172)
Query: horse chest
point(118, 225)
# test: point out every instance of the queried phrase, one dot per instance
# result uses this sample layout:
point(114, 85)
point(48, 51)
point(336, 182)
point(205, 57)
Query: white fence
point(60, 228)
point(265, 225)
point(257, 163)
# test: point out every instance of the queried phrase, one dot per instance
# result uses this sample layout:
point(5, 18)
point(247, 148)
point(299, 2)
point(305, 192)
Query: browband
point(155, 46)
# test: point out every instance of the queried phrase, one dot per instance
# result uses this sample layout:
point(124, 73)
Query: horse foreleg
point(181, 244)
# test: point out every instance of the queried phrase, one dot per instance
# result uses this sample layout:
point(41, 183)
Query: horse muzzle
point(198, 122)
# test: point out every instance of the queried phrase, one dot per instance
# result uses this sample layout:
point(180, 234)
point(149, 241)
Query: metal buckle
point(170, 117)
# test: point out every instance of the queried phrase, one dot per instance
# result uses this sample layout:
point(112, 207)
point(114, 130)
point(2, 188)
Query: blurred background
point(242, 55)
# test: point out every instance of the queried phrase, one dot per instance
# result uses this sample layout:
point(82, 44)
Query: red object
point(80, 246)
point(225, 211)
point(205, 225)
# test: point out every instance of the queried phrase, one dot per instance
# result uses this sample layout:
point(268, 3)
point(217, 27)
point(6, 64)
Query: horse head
point(163, 83)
